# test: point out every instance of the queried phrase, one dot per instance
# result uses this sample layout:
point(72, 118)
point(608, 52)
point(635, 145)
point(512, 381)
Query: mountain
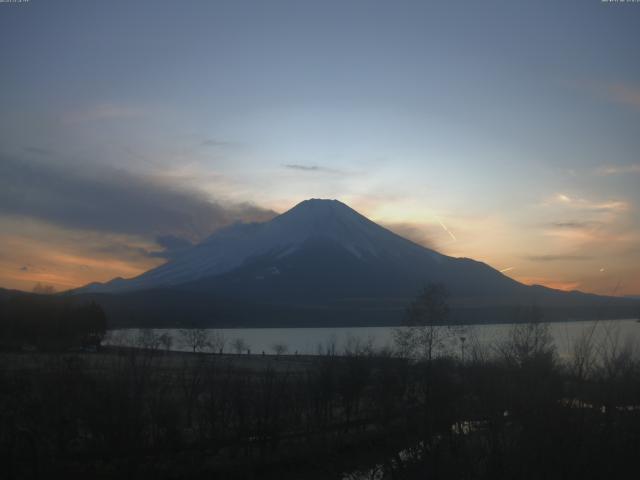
point(319, 262)
point(314, 238)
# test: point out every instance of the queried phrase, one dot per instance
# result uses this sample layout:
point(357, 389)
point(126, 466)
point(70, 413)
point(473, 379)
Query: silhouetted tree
point(279, 348)
point(50, 322)
point(427, 319)
point(239, 345)
point(166, 340)
point(197, 339)
point(217, 342)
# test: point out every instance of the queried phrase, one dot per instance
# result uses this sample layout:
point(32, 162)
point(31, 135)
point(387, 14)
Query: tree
point(166, 340)
point(529, 340)
point(90, 322)
point(279, 348)
point(197, 339)
point(148, 339)
point(428, 325)
point(239, 345)
point(217, 342)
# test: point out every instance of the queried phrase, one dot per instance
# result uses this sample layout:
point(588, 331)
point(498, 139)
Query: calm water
point(317, 340)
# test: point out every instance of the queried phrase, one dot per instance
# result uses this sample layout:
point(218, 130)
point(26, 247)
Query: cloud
point(584, 204)
point(618, 92)
point(38, 150)
point(212, 142)
point(122, 251)
point(618, 169)
point(310, 168)
point(625, 94)
point(411, 231)
point(557, 258)
point(576, 225)
point(65, 257)
point(111, 200)
point(172, 246)
point(567, 285)
point(105, 111)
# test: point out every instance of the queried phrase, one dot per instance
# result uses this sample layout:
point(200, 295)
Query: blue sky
point(514, 125)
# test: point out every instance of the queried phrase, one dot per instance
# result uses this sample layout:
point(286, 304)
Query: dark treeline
point(48, 322)
point(167, 308)
point(510, 411)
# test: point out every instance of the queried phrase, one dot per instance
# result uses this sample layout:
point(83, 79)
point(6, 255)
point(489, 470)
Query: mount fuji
point(320, 263)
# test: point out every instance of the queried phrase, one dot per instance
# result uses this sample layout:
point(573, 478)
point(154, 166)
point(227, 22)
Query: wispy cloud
point(414, 232)
point(557, 258)
point(38, 150)
point(311, 168)
point(585, 204)
point(618, 169)
point(214, 142)
point(171, 246)
point(625, 94)
point(575, 225)
point(566, 285)
point(105, 111)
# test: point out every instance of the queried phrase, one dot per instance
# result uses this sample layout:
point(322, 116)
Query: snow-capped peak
point(310, 220)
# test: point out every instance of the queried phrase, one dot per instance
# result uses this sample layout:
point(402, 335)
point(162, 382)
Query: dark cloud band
point(112, 201)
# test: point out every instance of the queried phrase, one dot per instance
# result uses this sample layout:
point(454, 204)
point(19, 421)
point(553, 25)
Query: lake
point(312, 341)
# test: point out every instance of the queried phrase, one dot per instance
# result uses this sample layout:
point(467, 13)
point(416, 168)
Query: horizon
point(504, 133)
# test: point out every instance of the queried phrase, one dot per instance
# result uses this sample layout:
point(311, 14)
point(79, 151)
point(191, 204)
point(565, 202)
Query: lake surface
point(312, 341)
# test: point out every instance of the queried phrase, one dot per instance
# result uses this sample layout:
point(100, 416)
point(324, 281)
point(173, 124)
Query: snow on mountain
point(311, 220)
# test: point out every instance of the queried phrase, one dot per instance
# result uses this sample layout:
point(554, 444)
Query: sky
point(507, 132)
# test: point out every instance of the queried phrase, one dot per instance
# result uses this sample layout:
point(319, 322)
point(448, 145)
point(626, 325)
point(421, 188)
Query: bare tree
point(528, 340)
point(428, 324)
point(197, 339)
point(582, 361)
point(239, 345)
point(279, 348)
point(357, 347)
point(615, 352)
point(148, 339)
point(217, 342)
point(166, 340)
